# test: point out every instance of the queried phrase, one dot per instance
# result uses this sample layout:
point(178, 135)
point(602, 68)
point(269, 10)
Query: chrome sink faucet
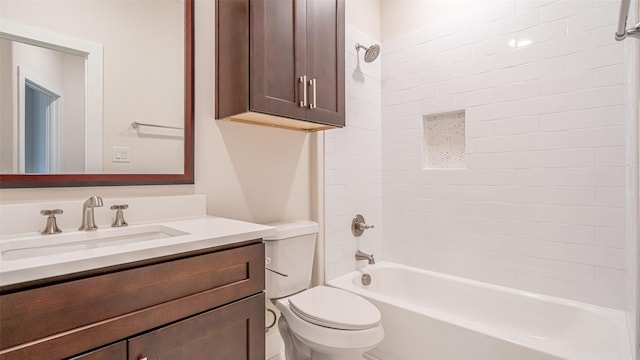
point(364, 256)
point(88, 221)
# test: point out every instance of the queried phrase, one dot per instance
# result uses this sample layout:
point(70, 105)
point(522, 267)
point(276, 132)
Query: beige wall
point(247, 172)
point(386, 19)
point(364, 15)
point(65, 73)
point(6, 107)
point(399, 17)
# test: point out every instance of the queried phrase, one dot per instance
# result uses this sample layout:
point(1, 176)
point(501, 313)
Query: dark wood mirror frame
point(68, 180)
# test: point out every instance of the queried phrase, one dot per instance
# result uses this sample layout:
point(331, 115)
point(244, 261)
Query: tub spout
point(364, 256)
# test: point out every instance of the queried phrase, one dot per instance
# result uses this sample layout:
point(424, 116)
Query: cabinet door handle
point(303, 82)
point(312, 104)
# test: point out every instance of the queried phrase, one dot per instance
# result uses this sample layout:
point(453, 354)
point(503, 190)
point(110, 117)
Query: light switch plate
point(120, 154)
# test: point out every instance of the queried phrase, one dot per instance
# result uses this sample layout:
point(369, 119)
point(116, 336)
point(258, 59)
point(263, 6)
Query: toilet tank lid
point(288, 229)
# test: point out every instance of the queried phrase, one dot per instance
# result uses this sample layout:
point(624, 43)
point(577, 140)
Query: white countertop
point(201, 233)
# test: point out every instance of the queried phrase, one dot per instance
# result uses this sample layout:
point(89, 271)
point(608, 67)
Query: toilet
point(318, 323)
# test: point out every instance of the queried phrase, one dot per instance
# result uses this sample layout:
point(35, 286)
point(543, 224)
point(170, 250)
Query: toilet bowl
point(318, 323)
point(328, 323)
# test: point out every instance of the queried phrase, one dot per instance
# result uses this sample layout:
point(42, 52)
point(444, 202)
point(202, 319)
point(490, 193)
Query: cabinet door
point(112, 352)
point(325, 60)
point(277, 56)
point(231, 332)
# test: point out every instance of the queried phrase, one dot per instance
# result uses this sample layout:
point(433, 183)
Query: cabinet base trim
point(278, 122)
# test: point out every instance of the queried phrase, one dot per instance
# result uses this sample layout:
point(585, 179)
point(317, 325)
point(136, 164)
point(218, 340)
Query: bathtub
point(432, 316)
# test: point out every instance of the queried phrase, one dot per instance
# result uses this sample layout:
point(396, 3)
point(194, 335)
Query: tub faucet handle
point(51, 227)
point(358, 225)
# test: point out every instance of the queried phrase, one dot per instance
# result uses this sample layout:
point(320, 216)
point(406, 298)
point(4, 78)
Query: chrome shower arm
point(370, 53)
point(622, 31)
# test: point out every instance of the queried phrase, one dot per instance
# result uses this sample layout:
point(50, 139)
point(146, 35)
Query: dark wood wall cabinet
point(204, 305)
point(281, 63)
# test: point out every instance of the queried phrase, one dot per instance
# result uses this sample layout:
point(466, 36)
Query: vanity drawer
point(117, 351)
point(231, 332)
point(83, 314)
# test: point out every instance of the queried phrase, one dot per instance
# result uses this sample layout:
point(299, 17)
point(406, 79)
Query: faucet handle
point(358, 225)
point(119, 220)
point(53, 212)
point(51, 227)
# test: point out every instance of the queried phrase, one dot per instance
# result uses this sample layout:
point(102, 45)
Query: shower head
point(371, 53)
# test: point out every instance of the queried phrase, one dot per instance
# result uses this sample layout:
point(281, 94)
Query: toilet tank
point(290, 252)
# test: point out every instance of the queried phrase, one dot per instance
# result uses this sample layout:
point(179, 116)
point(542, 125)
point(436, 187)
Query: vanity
point(194, 293)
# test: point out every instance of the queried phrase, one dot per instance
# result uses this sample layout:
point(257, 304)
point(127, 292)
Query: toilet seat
point(334, 308)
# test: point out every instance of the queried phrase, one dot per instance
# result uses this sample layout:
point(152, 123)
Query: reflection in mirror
point(78, 73)
point(53, 102)
point(40, 107)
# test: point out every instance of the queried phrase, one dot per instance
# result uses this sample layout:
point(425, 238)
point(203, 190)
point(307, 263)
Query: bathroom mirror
point(96, 93)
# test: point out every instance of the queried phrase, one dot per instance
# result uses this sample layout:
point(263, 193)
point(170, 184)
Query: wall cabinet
point(187, 306)
point(281, 63)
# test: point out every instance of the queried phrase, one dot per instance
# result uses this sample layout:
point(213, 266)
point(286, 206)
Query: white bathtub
point(432, 316)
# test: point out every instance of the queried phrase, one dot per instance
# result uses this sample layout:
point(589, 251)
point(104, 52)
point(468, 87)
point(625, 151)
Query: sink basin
point(83, 240)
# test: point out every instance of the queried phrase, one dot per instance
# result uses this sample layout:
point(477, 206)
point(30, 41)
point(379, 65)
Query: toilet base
point(296, 349)
point(318, 356)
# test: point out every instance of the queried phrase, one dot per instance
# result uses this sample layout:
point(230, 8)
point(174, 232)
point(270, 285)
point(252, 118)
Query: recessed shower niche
point(444, 140)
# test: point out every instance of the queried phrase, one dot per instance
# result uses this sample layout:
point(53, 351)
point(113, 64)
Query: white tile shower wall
point(540, 206)
point(353, 163)
point(632, 71)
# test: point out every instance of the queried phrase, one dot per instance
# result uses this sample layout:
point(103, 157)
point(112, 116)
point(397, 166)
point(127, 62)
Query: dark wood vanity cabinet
point(110, 352)
point(281, 58)
point(207, 304)
point(226, 333)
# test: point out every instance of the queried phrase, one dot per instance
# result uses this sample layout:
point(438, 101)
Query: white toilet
point(321, 323)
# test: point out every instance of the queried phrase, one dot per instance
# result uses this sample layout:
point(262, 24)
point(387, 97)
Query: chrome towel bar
point(136, 124)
